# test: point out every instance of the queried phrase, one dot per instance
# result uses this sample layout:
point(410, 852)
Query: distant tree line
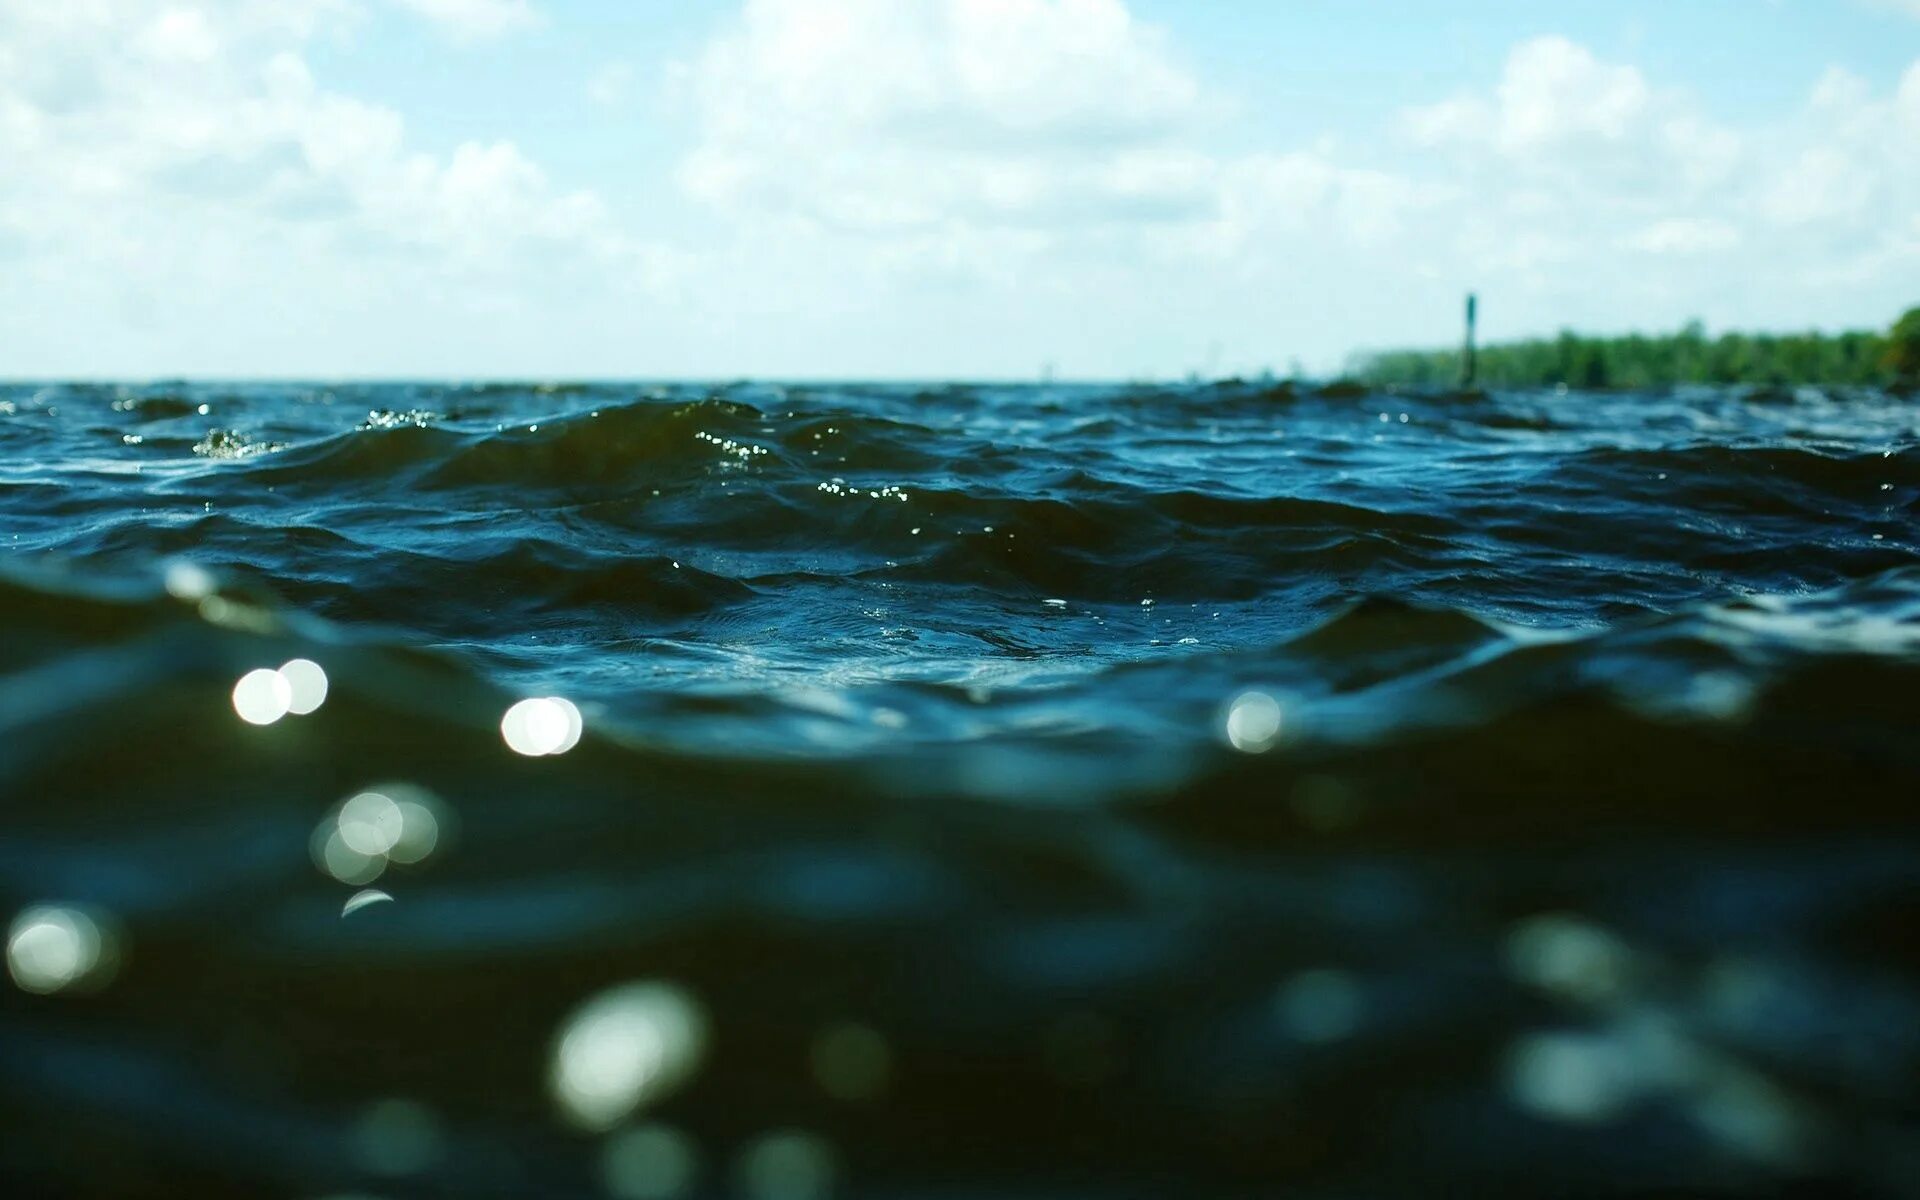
point(1689, 356)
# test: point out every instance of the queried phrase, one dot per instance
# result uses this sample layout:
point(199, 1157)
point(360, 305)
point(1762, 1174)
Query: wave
point(1153, 756)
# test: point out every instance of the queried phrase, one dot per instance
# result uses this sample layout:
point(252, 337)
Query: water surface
point(1225, 790)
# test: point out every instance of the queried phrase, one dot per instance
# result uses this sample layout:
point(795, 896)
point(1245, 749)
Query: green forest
point(1689, 356)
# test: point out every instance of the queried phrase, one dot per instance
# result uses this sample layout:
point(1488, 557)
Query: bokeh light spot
point(1319, 1006)
point(1253, 722)
point(387, 823)
point(1561, 953)
point(188, 581)
point(649, 1162)
point(307, 684)
point(262, 697)
point(334, 857)
point(419, 827)
point(1325, 803)
point(1573, 1077)
point(851, 1062)
point(624, 1048)
point(370, 823)
point(397, 1137)
point(541, 726)
point(53, 947)
point(788, 1165)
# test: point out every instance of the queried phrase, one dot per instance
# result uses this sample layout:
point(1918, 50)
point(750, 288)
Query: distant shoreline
point(1860, 358)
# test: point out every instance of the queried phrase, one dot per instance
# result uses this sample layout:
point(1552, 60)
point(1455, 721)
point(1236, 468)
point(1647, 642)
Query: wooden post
point(1469, 356)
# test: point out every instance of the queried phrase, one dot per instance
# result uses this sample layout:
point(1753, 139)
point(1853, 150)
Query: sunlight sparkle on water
point(388, 823)
point(1574, 958)
point(370, 823)
point(52, 947)
point(334, 857)
point(1253, 722)
point(542, 726)
point(1573, 1077)
point(262, 697)
point(187, 581)
point(624, 1048)
point(308, 684)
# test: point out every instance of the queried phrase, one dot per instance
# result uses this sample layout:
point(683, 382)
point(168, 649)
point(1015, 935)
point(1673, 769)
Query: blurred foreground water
point(820, 791)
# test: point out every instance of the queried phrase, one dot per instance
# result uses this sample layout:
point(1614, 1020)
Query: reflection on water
point(990, 791)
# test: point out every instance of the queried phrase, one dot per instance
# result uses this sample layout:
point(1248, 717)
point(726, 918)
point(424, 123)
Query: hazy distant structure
point(1469, 357)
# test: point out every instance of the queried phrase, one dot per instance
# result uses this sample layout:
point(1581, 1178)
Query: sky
point(912, 189)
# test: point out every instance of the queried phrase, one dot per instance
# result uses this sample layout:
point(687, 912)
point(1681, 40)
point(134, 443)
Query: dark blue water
point(1114, 791)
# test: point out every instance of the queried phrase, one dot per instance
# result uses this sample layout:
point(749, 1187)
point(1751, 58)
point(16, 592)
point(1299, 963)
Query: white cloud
point(871, 114)
point(209, 113)
point(863, 178)
point(1051, 149)
point(998, 139)
point(1043, 163)
point(1307, 195)
point(995, 143)
point(1568, 159)
point(1558, 107)
point(1821, 183)
point(173, 162)
point(476, 20)
point(1850, 166)
point(1840, 90)
point(1683, 236)
point(1554, 92)
point(611, 84)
